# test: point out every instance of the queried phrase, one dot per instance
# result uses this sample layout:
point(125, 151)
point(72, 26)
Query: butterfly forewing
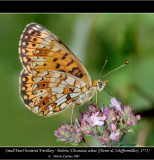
point(53, 77)
point(40, 50)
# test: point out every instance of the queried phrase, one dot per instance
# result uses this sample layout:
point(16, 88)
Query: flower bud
point(104, 138)
point(128, 109)
point(92, 108)
point(113, 127)
point(128, 123)
point(113, 119)
point(138, 117)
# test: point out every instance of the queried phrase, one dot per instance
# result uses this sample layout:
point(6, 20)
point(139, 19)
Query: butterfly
point(53, 78)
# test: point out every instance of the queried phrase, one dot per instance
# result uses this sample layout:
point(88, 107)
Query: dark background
point(91, 37)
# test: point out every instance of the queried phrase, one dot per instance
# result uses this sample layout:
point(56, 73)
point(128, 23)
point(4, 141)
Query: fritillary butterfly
point(53, 78)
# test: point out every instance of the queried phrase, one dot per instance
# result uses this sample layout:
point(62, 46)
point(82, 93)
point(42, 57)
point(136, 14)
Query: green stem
point(121, 139)
point(84, 142)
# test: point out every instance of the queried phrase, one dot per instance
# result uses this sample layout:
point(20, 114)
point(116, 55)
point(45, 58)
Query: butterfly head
point(99, 84)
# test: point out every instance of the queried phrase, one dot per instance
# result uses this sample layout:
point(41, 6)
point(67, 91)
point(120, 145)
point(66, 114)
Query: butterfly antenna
point(115, 69)
point(107, 92)
point(106, 59)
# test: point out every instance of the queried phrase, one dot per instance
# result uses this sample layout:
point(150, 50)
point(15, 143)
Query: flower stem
point(121, 139)
point(84, 142)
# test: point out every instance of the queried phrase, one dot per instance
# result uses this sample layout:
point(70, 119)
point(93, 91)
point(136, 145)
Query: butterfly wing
point(50, 92)
point(40, 50)
point(52, 78)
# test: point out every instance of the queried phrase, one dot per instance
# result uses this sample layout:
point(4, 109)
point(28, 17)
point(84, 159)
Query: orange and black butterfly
point(53, 78)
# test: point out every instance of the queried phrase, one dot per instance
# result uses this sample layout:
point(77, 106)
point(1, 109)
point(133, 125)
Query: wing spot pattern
point(39, 50)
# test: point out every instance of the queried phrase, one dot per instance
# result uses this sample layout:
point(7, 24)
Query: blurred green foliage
point(92, 37)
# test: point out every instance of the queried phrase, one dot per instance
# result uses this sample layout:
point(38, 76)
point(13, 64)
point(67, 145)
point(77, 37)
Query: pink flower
point(138, 117)
point(77, 123)
point(95, 119)
point(114, 136)
point(113, 127)
point(115, 103)
point(108, 124)
point(129, 123)
point(105, 111)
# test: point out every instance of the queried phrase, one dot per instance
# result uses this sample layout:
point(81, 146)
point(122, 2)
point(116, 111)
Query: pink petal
point(114, 135)
point(115, 103)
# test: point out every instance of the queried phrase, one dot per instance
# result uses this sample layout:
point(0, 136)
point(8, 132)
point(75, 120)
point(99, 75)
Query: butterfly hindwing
point(49, 92)
point(26, 82)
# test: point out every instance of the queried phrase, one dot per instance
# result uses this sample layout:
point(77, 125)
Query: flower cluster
point(108, 124)
point(69, 135)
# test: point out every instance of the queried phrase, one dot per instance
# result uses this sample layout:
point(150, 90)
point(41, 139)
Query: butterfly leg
point(91, 101)
point(96, 99)
point(79, 109)
point(72, 116)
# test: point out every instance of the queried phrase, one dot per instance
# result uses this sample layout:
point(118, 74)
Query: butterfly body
point(53, 78)
point(88, 94)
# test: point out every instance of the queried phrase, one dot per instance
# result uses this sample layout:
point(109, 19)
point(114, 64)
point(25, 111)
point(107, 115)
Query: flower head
point(95, 119)
point(69, 135)
point(108, 124)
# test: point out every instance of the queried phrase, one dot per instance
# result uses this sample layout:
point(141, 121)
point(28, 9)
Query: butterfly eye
point(100, 85)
